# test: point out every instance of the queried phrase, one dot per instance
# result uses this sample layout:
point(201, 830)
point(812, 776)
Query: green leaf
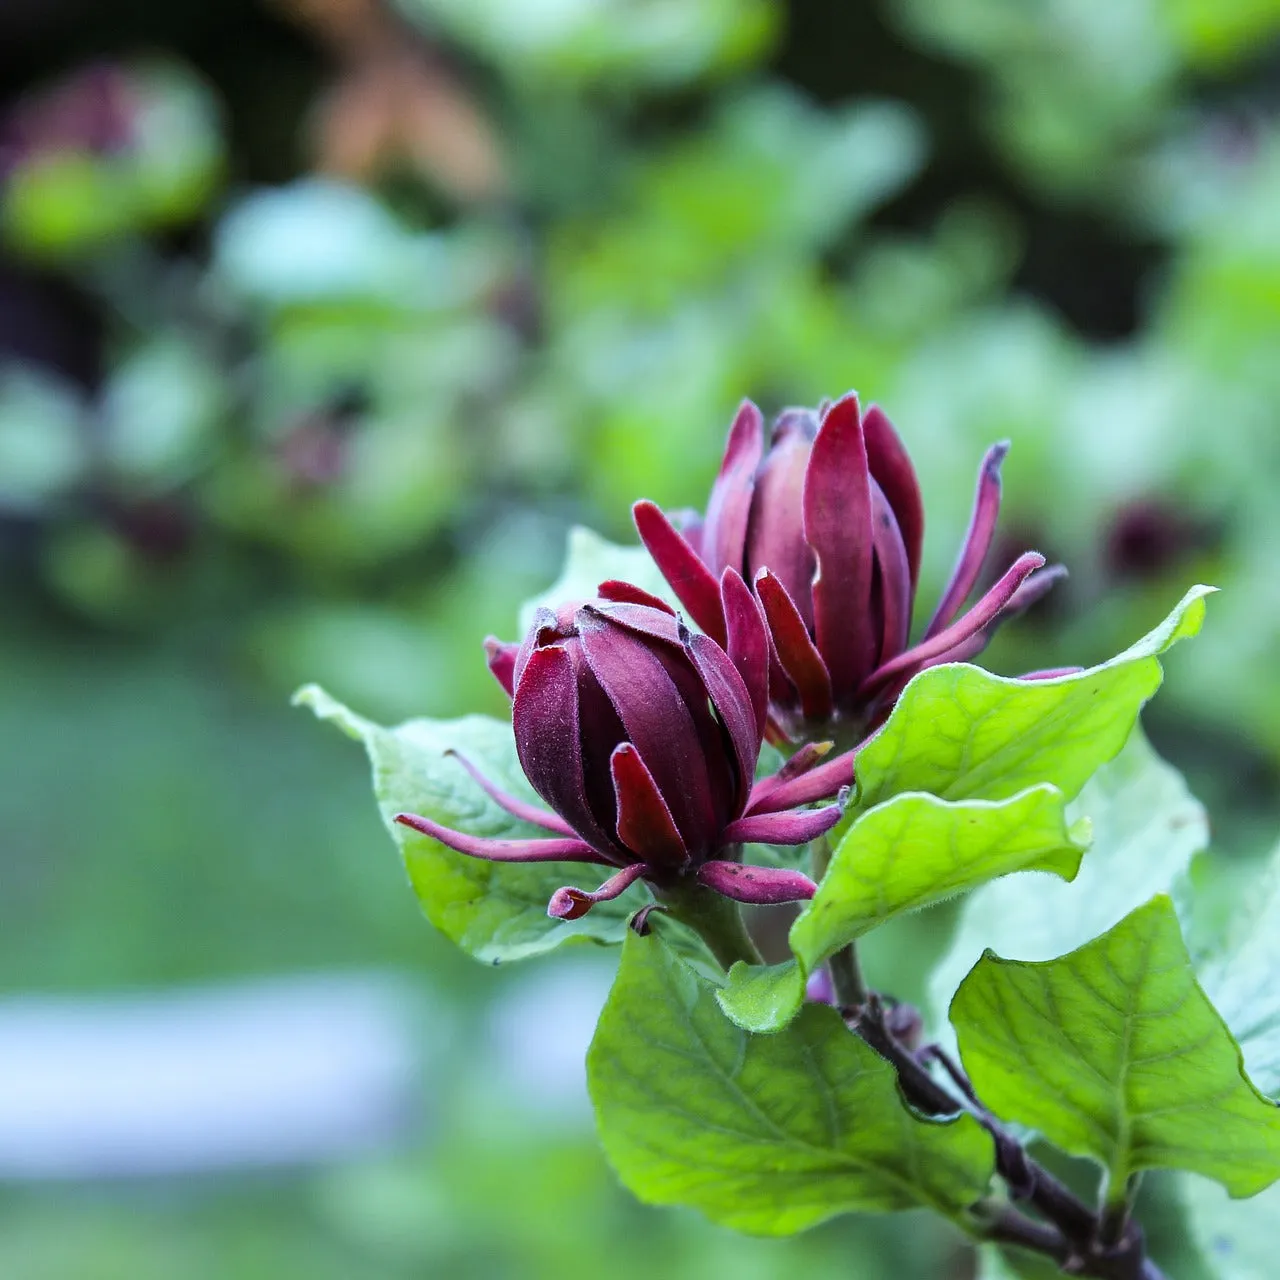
point(1242, 981)
point(1240, 1240)
point(763, 997)
point(1115, 1052)
point(917, 849)
point(494, 911)
point(768, 1134)
point(589, 561)
point(961, 733)
point(1146, 829)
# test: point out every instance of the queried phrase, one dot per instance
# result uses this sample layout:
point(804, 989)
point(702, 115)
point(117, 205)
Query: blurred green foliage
point(319, 326)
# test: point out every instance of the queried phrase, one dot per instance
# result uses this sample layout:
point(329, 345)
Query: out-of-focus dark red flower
point(643, 739)
point(828, 526)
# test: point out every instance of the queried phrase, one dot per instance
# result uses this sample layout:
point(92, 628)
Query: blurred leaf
point(959, 732)
point(496, 912)
point(1115, 1052)
point(1239, 1239)
point(1146, 827)
point(768, 1134)
point(42, 446)
point(589, 561)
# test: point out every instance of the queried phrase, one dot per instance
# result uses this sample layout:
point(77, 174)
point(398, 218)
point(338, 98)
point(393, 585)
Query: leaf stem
point(717, 920)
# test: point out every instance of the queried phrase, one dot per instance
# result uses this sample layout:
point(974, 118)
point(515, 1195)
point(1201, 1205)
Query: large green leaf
point(962, 733)
point(1243, 980)
point(589, 561)
point(1146, 829)
point(1115, 1052)
point(903, 855)
point(768, 1134)
point(1240, 1240)
point(494, 911)
point(918, 849)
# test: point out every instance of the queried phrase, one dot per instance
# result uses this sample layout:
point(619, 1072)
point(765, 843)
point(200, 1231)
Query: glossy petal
point(619, 592)
point(561, 850)
point(891, 469)
point(570, 903)
point(764, 886)
point(724, 529)
point(512, 804)
point(748, 644)
point(795, 649)
point(645, 824)
point(820, 783)
point(977, 542)
point(973, 622)
point(775, 534)
point(695, 585)
point(656, 720)
point(837, 525)
point(546, 716)
point(783, 828)
point(732, 701)
point(893, 581)
point(502, 662)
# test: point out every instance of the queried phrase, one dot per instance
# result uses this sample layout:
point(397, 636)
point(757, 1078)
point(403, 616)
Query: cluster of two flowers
point(643, 737)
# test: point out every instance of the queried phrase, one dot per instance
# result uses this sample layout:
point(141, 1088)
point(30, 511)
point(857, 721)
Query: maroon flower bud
point(828, 526)
point(643, 739)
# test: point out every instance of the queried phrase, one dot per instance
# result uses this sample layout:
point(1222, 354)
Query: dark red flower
point(643, 739)
point(828, 526)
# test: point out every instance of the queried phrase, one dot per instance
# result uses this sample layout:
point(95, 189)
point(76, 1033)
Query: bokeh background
point(321, 321)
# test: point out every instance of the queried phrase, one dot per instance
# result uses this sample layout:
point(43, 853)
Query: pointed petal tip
point(761, 886)
point(569, 903)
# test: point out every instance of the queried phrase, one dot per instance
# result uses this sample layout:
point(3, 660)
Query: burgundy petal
point(724, 530)
point(645, 824)
point(545, 716)
point(837, 525)
point(805, 758)
point(512, 804)
point(571, 904)
point(732, 701)
point(891, 469)
point(694, 584)
point(644, 621)
point(502, 850)
point(620, 592)
point(748, 644)
point(656, 719)
point(820, 783)
point(1035, 588)
point(973, 622)
point(797, 827)
point(800, 658)
point(765, 886)
point(775, 533)
point(894, 577)
point(502, 662)
point(977, 542)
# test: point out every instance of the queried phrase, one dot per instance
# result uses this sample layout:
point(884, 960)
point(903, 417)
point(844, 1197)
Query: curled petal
point(645, 824)
point(513, 804)
point(618, 592)
point(724, 530)
point(807, 757)
point(799, 656)
point(733, 704)
point(796, 827)
point(1035, 588)
point(820, 783)
point(748, 644)
point(502, 662)
point(977, 542)
point(765, 886)
point(491, 850)
point(837, 526)
point(973, 622)
point(571, 904)
point(891, 469)
point(694, 584)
